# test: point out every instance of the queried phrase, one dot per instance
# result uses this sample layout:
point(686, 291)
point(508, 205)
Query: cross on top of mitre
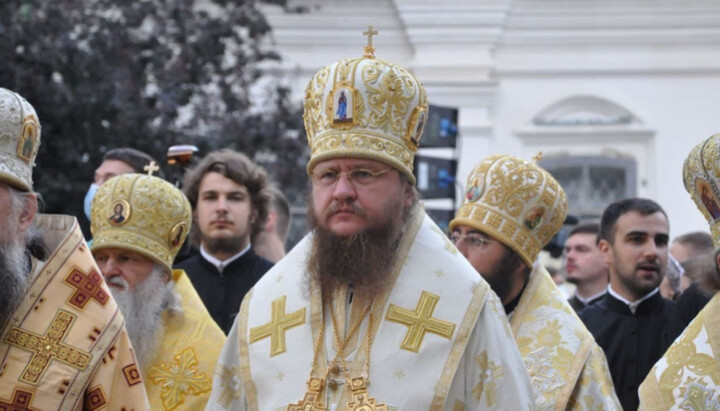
point(369, 49)
point(151, 168)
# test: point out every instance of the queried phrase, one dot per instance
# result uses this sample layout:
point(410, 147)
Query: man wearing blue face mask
point(117, 161)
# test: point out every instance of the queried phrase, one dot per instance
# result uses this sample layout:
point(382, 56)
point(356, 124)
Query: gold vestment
point(567, 368)
point(65, 347)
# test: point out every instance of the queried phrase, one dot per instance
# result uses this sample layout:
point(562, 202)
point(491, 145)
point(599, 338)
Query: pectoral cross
point(369, 49)
point(151, 168)
point(361, 401)
point(312, 400)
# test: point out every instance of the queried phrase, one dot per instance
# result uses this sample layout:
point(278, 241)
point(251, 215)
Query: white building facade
point(614, 93)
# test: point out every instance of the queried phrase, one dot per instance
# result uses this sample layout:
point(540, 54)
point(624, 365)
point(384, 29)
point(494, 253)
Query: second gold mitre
point(141, 213)
point(516, 202)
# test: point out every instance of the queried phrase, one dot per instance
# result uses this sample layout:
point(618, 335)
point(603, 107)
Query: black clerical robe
point(578, 305)
point(632, 342)
point(223, 292)
point(690, 303)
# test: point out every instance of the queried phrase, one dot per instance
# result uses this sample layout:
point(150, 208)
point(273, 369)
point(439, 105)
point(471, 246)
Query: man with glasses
point(511, 210)
point(374, 309)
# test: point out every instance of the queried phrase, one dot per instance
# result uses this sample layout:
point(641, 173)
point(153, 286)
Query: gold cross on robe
point(279, 323)
point(48, 347)
point(420, 321)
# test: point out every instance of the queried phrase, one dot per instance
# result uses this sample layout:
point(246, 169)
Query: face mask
point(89, 198)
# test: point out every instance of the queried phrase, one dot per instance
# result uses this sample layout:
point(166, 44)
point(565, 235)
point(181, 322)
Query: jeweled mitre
point(19, 140)
point(141, 213)
point(514, 201)
point(701, 176)
point(365, 108)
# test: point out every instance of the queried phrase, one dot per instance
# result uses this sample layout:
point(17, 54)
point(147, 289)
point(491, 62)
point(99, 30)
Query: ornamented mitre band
point(701, 176)
point(19, 140)
point(141, 213)
point(514, 201)
point(365, 108)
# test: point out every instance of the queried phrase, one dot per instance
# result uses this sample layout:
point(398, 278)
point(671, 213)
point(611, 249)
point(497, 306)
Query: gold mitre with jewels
point(701, 176)
point(19, 140)
point(514, 201)
point(141, 213)
point(365, 108)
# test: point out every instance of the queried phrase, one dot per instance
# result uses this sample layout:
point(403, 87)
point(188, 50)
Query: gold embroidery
point(420, 321)
point(490, 374)
point(275, 329)
point(681, 354)
point(179, 379)
point(229, 385)
point(48, 347)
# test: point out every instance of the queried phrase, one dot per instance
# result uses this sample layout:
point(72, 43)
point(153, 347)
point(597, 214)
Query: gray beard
point(13, 272)
point(143, 311)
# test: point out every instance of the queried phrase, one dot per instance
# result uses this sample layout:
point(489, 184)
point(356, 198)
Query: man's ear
point(30, 207)
point(270, 223)
point(606, 249)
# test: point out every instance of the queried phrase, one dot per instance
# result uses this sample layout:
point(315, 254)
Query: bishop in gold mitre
point(139, 222)
point(63, 343)
point(688, 375)
point(374, 309)
point(511, 210)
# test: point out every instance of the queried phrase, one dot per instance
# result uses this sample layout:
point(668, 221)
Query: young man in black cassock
point(230, 201)
point(629, 324)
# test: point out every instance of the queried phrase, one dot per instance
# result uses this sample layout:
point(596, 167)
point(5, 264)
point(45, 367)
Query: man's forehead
point(216, 182)
point(114, 167)
point(582, 238)
point(635, 222)
point(338, 163)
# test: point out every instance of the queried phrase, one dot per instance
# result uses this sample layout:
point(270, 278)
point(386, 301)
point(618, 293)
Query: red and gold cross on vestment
point(87, 287)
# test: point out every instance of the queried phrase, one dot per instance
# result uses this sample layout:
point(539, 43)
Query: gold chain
point(353, 330)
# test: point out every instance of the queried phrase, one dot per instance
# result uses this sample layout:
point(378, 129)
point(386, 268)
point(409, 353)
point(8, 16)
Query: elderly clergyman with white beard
point(375, 309)
point(176, 341)
point(63, 344)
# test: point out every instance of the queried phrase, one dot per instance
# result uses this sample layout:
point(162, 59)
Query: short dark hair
point(699, 243)
point(280, 205)
point(136, 159)
point(586, 228)
point(238, 168)
point(611, 214)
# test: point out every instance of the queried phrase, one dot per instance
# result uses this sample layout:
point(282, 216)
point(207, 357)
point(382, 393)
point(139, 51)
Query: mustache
point(337, 207)
point(653, 264)
point(118, 281)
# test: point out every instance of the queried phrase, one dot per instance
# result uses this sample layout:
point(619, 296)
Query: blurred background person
point(585, 266)
point(270, 242)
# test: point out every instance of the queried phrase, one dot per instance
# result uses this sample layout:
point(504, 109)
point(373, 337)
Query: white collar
point(220, 265)
point(587, 300)
point(632, 305)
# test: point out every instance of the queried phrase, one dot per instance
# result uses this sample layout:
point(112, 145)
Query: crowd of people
point(185, 299)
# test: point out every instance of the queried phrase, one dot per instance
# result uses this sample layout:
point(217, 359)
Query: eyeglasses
point(473, 240)
point(359, 176)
